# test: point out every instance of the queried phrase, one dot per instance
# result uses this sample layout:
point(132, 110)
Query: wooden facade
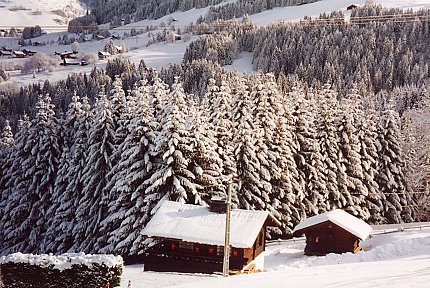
point(327, 237)
point(172, 255)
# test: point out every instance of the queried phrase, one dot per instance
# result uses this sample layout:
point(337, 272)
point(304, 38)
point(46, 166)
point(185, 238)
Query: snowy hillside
point(39, 12)
point(297, 13)
point(159, 55)
point(388, 260)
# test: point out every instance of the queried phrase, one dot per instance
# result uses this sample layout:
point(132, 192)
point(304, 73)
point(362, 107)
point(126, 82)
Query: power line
point(336, 21)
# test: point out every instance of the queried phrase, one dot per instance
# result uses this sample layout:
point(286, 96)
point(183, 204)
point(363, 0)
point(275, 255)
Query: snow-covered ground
point(39, 12)
point(296, 13)
point(398, 258)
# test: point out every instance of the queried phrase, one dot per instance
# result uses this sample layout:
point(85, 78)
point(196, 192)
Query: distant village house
point(19, 54)
point(190, 238)
point(332, 232)
point(103, 55)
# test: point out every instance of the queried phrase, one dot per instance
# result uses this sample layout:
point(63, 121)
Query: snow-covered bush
point(67, 270)
point(40, 62)
point(3, 75)
point(90, 58)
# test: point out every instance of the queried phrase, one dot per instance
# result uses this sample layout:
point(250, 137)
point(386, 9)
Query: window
point(260, 238)
point(186, 245)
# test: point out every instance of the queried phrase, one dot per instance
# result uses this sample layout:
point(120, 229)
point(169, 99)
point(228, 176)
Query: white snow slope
point(396, 259)
point(39, 12)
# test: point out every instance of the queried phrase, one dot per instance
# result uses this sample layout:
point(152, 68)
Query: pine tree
point(329, 142)
point(249, 194)
point(15, 196)
point(205, 163)
point(367, 135)
point(122, 109)
point(308, 157)
point(221, 121)
point(60, 214)
point(390, 177)
point(43, 167)
point(90, 212)
point(125, 221)
point(351, 160)
point(171, 178)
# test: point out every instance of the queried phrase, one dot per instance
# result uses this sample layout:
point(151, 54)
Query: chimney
point(218, 204)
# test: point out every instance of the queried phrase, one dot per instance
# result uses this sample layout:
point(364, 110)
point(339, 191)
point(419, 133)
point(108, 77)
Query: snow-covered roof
point(197, 224)
point(342, 219)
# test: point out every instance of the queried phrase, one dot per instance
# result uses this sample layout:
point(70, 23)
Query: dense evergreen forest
point(112, 11)
point(84, 162)
point(89, 180)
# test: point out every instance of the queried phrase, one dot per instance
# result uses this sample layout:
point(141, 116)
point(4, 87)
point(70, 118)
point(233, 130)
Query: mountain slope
point(39, 12)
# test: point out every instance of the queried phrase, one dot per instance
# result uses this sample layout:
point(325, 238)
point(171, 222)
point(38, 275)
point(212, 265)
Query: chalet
point(190, 238)
point(28, 52)
point(18, 54)
point(67, 55)
point(5, 54)
point(352, 6)
point(103, 55)
point(119, 49)
point(332, 232)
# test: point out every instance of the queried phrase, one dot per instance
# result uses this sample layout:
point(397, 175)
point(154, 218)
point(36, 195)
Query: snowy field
point(390, 258)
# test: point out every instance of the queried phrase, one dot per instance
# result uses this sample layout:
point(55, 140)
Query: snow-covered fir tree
point(172, 178)
point(90, 212)
point(367, 137)
point(205, 163)
point(221, 120)
point(14, 205)
point(328, 138)
point(125, 219)
point(390, 165)
point(66, 189)
point(43, 166)
point(249, 192)
point(349, 148)
point(308, 157)
point(122, 109)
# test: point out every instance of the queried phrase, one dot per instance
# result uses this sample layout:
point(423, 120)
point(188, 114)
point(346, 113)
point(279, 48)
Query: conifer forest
point(337, 116)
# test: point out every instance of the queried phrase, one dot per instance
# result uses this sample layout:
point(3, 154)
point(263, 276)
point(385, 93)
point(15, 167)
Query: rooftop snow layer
point(64, 261)
point(197, 224)
point(339, 217)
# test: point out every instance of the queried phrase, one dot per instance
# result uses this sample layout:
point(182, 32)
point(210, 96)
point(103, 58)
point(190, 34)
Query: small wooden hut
point(190, 238)
point(332, 232)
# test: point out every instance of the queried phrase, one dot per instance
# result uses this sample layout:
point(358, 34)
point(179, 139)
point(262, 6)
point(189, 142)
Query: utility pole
point(226, 263)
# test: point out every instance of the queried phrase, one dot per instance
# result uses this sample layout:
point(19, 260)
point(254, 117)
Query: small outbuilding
point(332, 232)
point(190, 238)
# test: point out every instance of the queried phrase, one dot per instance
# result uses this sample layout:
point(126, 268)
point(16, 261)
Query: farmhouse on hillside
point(104, 55)
point(190, 238)
point(332, 232)
point(19, 54)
